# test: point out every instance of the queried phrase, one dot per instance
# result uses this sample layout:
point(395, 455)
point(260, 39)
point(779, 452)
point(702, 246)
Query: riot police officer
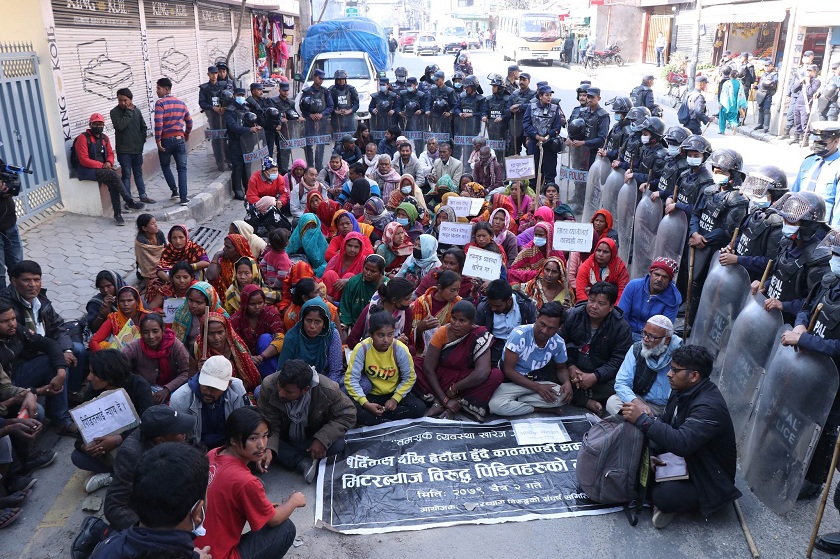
point(820, 171)
point(761, 231)
point(642, 94)
point(470, 111)
point(258, 104)
point(620, 130)
point(633, 143)
point(513, 75)
point(427, 81)
point(225, 79)
point(383, 107)
point(542, 123)
point(517, 104)
point(498, 116)
point(597, 121)
point(317, 105)
point(238, 121)
point(767, 86)
point(719, 210)
point(456, 82)
point(830, 96)
point(583, 104)
point(648, 167)
point(441, 101)
point(411, 106)
point(675, 162)
point(345, 100)
point(209, 99)
point(799, 265)
point(400, 84)
point(291, 127)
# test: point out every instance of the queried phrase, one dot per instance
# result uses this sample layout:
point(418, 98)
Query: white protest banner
point(111, 412)
point(572, 236)
point(483, 264)
point(454, 233)
point(460, 205)
point(170, 307)
point(520, 167)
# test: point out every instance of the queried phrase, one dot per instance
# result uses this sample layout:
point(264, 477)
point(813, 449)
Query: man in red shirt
point(236, 496)
point(94, 161)
point(267, 195)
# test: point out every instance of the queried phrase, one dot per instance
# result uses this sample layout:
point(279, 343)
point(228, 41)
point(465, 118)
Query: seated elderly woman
point(201, 299)
point(385, 176)
point(316, 340)
point(407, 191)
point(456, 373)
point(423, 260)
point(266, 196)
point(550, 284)
point(533, 255)
point(309, 242)
point(179, 249)
point(376, 215)
point(108, 282)
point(221, 271)
point(261, 328)
point(122, 326)
point(159, 357)
point(408, 215)
point(347, 263)
point(218, 338)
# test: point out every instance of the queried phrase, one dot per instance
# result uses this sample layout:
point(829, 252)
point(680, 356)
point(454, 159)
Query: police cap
point(544, 89)
point(284, 85)
point(525, 75)
point(513, 68)
point(827, 128)
point(808, 53)
point(412, 79)
point(439, 75)
point(384, 80)
point(319, 73)
point(594, 91)
point(213, 70)
point(239, 91)
point(256, 85)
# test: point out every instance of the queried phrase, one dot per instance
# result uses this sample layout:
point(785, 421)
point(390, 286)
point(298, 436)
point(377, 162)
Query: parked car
point(426, 44)
point(406, 40)
point(452, 37)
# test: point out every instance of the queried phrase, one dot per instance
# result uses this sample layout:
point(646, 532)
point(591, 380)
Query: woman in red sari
point(531, 258)
point(349, 261)
point(222, 340)
point(602, 265)
point(261, 328)
point(222, 266)
point(129, 308)
point(179, 249)
point(456, 372)
point(344, 222)
point(324, 209)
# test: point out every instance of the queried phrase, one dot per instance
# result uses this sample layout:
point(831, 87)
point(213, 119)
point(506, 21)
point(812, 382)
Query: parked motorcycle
point(609, 56)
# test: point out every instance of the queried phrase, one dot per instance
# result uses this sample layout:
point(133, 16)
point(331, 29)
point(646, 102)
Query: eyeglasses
point(651, 337)
point(678, 369)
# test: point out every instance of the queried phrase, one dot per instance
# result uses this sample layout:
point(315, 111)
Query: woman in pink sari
point(349, 261)
point(531, 258)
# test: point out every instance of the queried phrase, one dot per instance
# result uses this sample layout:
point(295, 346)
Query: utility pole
point(305, 17)
point(691, 70)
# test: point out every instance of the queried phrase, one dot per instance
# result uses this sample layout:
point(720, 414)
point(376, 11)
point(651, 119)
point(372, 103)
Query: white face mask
point(694, 161)
point(645, 139)
point(765, 203)
point(540, 241)
point(405, 189)
point(789, 230)
point(673, 150)
point(835, 265)
point(199, 531)
point(720, 179)
point(272, 176)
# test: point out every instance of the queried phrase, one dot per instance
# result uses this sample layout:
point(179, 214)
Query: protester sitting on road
point(696, 426)
point(220, 339)
point(395, 299)
point(266, 197)
point(159, 357)
point(487, 171)
point(349, 262)
point(294, 177)
point(452, 259)
point(221, 272)
point(395, 247)
point(597, 338)
point(109, 370)
point(123, 326)
point(180, 280)
point(502, 310)
point(20, 405)
point(603, 265)
point(457, 373)
point(357, 193)
point(108, 282)
point(308, 414)
point(239, 497)
point(341, 223)
point(275, 263)
point(432, 309)
point(388, 144)
point(149, 244)
point(247, 272)
point(550, 284)
point(179, 249)
point(534, 254)
point(423, 260)
point(534, 367)
point(210, 397)
point(500, 221)
point(444, 164)
point(385, 176)
point(307, 240)
point(261, 328)
point(305, 288)
point(45, 373)
point(16, 488)
point(380, 375)
point(643, 374)
point(314, 339)
point(348, 150)
point(187, 322)
point(169, 495)
point(406, 163)
point(654, 294)
point(359, 290)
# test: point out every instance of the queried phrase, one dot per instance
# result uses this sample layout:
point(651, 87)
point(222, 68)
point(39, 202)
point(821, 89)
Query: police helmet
point(802, 206)
point(401, 72)
point(273, 113)
point(676, 135)
point(292, 114)
point(340, 75)
point(470, 81)
point(226, 97)
point(577, 129)
point(768, 179)
point(698, 143)
point(440, 104)
point(462, 59)
point(250, 119)
point(654, 125)
point(457, 76)
point(621, 104)
point(727, 160)
point(268, 163)
point(496, 79)
point(637, 116)
point(431, 69)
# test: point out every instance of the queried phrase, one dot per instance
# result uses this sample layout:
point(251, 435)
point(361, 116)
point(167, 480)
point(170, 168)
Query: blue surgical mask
point(761, 203)
point(240, 100)
point(617, 117)
point(789, 230)
point(273, 176)
point(835, 265)
point(720, 179)
point(402, 221)
point(405, 190)
point(540, 241)
point(383, 88)
point(673, 150)
point(412, 89)
point(694, 161)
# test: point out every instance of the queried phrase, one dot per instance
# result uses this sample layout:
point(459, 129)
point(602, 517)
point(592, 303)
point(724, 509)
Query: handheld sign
point(109, 413)
point(572, 236)
point(460, 205)
point(520, 167)
point(454, 233)
point(483, 264)
point(170, 307)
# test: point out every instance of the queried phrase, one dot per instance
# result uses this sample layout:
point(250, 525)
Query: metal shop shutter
point(243, 56)
point(173, 51)
point(214, 33)
point(101, 51)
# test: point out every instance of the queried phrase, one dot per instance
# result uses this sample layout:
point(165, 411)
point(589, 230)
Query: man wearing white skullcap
point(644, 373)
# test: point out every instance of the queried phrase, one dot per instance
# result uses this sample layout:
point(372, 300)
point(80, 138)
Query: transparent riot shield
point(216, 133)
point(465, 130)
point(572, 178)
point(793, 403)
point(496, 136)
point(292, 135)
point(594, 185)
point(755, 334)
point(254, 150)
point(318, 136)
point(609, 192)
point(725, 293)
point(440, 128)
point(342, 125)
point(671, 235)
point(379, 123)
point(645, 224)
point(623, 218)
point(415, 130)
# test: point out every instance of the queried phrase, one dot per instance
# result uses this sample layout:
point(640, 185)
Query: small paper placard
point(111, 412)
point(460, 205)
point(483, 264)
point(530, 432)
point(454, 233)
point(170, 307)
point(572, 236)
point(520, 167)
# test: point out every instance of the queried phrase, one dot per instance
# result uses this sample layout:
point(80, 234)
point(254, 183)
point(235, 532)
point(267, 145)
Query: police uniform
point(616, 138)
point(259, 106)
point(642, 96)
point(597, 126)
point(546, 121)
point(287, 110)
point(209, 98)
point(831, 94)
point(767, 86)
point(407, 105)
point(315, 100)
point(440, 100)
point(675, 165)
point(234, 122)
point(517, 135)
point(475, 105)
point(821, 174)
point(383, 103)
point(497, 107)
point(346, 97)
point(759, 240)
point(649, 165)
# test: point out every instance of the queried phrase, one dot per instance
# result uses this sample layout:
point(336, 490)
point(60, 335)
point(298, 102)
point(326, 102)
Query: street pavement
point(72, 249)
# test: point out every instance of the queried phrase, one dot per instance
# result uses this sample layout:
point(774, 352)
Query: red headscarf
point(337, 262)
point(609, 219)
point(325, 212)
point(237, 352)
point(590, 273)
point(243, 249)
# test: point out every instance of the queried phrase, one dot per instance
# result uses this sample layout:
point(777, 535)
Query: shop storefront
point(754, 27)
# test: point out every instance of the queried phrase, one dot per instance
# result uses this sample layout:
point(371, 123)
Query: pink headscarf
point(544, 213)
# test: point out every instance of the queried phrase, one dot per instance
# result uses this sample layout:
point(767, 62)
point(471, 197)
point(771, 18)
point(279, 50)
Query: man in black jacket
point(597, 339)
point(129, 138)
point(500, 312)
point(210, 101)
point(696, 426)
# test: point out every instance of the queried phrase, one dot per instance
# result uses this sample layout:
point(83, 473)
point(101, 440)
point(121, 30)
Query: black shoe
point(135, 205)
point(185, 202)
point(38, 460)
point(757, 128)
point(19, 483)
point(830, 543)
point(118, 219)
point(94, 530)
point(238, 194)
point(67, 429)
point(173, 195)
point(147, 200)
point(809, 490)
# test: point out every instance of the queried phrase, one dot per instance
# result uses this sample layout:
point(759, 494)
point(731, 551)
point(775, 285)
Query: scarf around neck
point(298, 411)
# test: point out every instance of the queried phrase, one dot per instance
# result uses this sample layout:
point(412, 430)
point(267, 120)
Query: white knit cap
point(663, 322)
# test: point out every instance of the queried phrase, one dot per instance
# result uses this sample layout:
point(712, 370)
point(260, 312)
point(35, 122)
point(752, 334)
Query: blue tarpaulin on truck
point(353, 33)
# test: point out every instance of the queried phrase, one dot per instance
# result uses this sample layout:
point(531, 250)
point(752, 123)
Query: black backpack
point(74, 157)
point(684, 112)
point(636, 96)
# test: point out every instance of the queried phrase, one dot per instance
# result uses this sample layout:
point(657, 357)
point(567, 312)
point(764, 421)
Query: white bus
point(530, 35)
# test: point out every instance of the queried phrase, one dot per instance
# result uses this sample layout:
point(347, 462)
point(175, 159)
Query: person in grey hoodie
point(130, 133)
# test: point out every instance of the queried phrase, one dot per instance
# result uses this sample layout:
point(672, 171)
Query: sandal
point(7, 516)
point(15, 499)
